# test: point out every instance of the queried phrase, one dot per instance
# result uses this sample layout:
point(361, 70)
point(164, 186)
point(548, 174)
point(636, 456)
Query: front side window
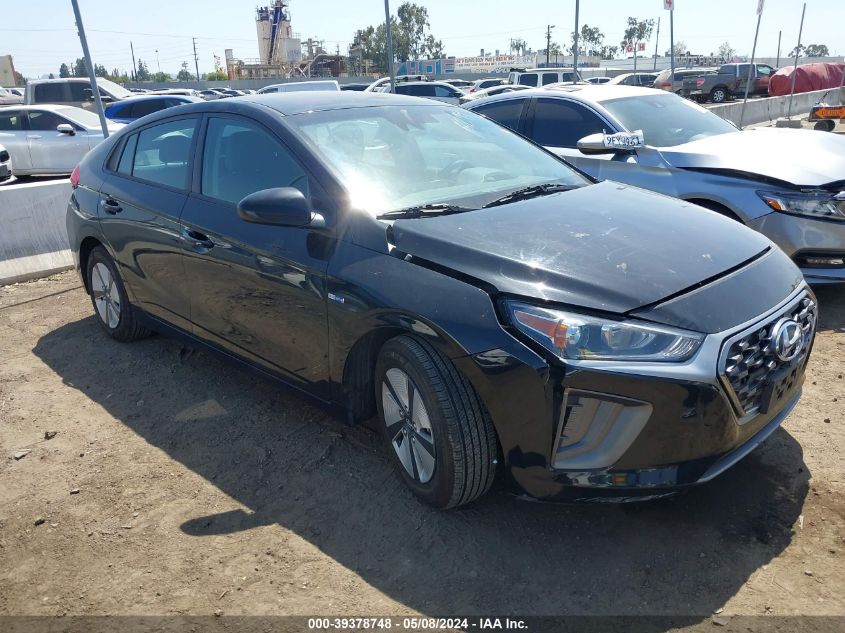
point(163, 153)
point(148, 106)
point(395, 157)
point(46, 121)
point(241, 158)
point(446, 91)
point(558, 123)
point(80, 91)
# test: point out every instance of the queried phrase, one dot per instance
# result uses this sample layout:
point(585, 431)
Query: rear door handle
point(110, 205)
point(198, 241)
point(33, 136)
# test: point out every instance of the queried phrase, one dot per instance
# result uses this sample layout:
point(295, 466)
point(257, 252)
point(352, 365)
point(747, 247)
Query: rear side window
point(443, 91)
point(505, 112)
point(163, 152)
point(416, 90)
point(559, 123)
point(50, 93)
point(241, 158)
point(143, 108)
point(550, 78)
point(10, 121)
point(127, 158)
point(528, 79)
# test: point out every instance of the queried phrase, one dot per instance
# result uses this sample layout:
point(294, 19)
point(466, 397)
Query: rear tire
point(439, 434)
point(718, 95)
point(108, 296)
point(825, 126)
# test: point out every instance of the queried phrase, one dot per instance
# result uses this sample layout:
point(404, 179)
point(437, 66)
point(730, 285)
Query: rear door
point(140, 206)
point(13, 138)
point(256, 290)
point(52, 151)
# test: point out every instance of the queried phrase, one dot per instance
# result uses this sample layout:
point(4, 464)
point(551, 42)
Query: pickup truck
point(728, 82)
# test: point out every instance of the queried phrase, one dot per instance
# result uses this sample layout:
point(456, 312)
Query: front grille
point(4, 156)
point(751, 362)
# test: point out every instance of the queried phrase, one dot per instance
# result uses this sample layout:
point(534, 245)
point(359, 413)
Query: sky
point(40, 34)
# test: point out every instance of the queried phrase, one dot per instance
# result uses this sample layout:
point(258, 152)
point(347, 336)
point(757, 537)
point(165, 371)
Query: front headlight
point(574, 336)
point(821, 204)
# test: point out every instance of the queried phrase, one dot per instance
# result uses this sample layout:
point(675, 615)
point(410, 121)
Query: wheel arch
point(87, 245)
point(716, 206)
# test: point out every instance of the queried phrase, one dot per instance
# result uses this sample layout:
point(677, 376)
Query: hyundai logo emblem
point(788, 340)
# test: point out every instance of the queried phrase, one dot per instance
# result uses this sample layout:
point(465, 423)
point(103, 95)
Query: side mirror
point(66, 128)
point(281, 206)
point(611, 143)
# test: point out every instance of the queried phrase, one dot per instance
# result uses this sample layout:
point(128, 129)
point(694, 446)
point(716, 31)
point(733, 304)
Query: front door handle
point(33, 136)
point(198, 241)
point(110, 205)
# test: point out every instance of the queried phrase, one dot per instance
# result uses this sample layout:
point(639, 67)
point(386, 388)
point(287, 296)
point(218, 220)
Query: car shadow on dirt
point(831, 308)
point(293, 464)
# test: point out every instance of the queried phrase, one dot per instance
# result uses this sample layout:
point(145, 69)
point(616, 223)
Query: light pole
point(387, 26)
point(158, 63)
point(548, 41)
point(95, 90)
point(575, 48)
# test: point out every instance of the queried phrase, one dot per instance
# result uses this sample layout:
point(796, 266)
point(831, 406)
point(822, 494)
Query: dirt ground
point(176, 484)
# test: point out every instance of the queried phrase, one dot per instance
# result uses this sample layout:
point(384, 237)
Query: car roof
point(589, 93)
point(152, 97)
point(49, 107)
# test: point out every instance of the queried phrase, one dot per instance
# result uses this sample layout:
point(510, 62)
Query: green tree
point(608, 52)
point(184, 74)
point(215, 76)
point(20, 80)
point(816, 50)
point(433, 49)
point(518, 46)
point(100, 70)
point(637, 31)
point(162, 77)
point(64, 71)
point(79, 68)
point(142, 73)
point(590, 40)
point(726, 51)
point(409, 37)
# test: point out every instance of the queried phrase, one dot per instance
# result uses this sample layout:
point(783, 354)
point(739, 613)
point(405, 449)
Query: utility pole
point(752, 69)
point(795, 68)
point(672, 41)
point(656, 44)
point(95, 90)
point(158, 63)
point(777, 63)
point(549, 28)
point(196, 59)
point(388, 26)
point(575, 48)
point(134, 68)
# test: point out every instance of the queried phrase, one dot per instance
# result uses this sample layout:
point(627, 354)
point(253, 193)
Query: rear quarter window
point(50, 93)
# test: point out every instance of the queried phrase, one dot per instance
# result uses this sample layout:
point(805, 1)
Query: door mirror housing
point(611, 143)
point(281, 206)
point(66, 128)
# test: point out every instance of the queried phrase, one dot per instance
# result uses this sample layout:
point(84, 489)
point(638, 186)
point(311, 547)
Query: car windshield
point(666, 119)
point(397, 157)
point(115, 90)
point(78, 115)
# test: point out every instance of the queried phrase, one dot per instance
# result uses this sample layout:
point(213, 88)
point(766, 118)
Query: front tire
point(825, 125)
point(108, 296)
point(439, 434)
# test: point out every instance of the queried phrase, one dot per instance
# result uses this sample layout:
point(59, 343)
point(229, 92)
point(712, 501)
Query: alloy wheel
point(408, 425)
point(106, 295)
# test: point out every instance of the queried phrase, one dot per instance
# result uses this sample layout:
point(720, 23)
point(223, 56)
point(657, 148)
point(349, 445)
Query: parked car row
point(491, 310)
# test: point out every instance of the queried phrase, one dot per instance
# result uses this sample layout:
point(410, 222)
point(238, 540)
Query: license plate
point(780, 386)
point(695, 92)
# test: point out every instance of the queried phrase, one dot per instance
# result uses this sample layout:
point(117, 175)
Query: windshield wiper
point(530, 192)
point(437, 208)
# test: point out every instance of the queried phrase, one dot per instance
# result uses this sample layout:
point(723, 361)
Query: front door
point(52, 151)
point(140, 205)
point(13, 138)
point(256, 290)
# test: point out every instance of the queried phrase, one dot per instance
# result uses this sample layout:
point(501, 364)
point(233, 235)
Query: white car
point(5, 166)
point(49, 139)
point(7, 97)
point(598, 80)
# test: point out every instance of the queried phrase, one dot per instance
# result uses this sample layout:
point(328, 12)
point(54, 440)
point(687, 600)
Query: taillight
point(699, 82)
point(665, 84)
point(74, 177)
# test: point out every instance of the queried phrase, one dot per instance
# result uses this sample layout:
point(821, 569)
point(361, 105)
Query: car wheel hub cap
point(106, 295)
point(408, 425)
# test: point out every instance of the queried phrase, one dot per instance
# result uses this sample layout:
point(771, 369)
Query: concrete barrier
point(33, 233)
point(769, 108)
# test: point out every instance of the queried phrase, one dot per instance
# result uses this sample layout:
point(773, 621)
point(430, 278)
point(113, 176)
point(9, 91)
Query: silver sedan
point(787, 184)
point(48, 139)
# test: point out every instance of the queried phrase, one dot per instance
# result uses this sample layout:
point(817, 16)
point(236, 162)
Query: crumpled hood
point(803, 158)
point(607, 246)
